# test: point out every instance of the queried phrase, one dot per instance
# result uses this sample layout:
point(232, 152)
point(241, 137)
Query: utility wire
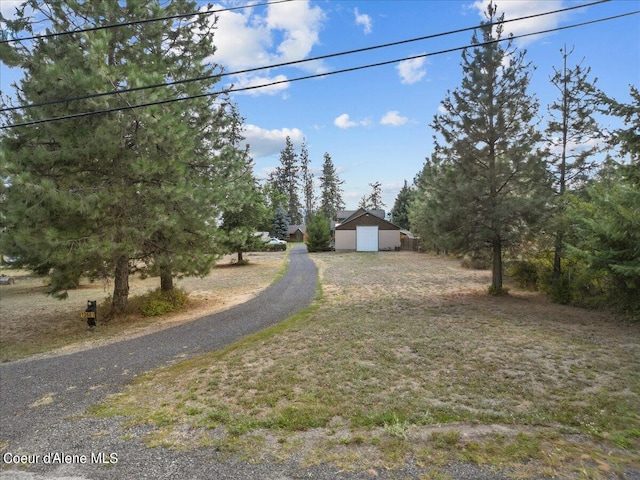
point(295, 62)
point(137, 22)
point(326, 74)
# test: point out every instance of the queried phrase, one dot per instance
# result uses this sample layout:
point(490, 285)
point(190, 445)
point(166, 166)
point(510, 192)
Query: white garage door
point(366, 239)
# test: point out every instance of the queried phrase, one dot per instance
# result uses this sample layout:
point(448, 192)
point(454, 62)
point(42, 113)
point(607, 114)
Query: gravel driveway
point(41, 402)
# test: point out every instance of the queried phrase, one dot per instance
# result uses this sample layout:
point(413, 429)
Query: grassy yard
point(32, 322)
point(404, 358)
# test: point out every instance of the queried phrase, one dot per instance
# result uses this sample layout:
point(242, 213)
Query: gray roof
point(294, 228)
point(344, 214)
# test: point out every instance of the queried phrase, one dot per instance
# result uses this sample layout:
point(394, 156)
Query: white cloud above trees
point(254, 37)
point(264, 143)
point(394, 119)
point(363, 20)
point(412, 71)
point(344, 121)
point(521, 8)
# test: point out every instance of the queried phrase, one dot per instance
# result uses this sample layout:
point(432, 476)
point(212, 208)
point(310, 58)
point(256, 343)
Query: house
point(366, 231)
point(297, 233)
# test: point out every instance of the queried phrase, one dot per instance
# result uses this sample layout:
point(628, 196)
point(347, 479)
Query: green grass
point(405, 357)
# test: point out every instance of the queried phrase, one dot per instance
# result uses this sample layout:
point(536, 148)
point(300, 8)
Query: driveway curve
point(36, 394)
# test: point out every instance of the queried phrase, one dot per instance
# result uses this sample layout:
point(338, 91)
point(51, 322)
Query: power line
point(138, 22)
point(326, 74)
point(295, 62)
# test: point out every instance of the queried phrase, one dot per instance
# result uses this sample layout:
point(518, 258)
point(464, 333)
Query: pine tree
point(307, 183)
point(609, 237)
point(318, 233)
point(364, 203)
point(330, 189)
point(400, 211)
point(626, 139)
point(286, 180)
point(433, 211)
point(281, 223)
point(137, 188)
point(374, 200)
point(489, 177)
point(571, 132)
point(243, 219)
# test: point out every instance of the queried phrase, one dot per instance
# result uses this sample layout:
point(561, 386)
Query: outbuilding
point(365, 231)
point(297, 233)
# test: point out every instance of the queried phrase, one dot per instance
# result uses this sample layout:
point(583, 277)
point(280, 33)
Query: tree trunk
point(121, 287)
point(240, 259)
point(166, 278)
point(557, 257)
point(496, 279)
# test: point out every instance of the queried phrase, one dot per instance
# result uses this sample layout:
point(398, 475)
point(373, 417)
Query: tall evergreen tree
point(489, 176)
point(330, 189)
point(286, 180)
point(609, 237)
point(307, 183)
point(626, 138)
point(281, 223)
point(400, 211)
point(374, 200)
point(571, 133)
point(243, 219)
point(432, 214)
point(365, 203)
point(136, 188)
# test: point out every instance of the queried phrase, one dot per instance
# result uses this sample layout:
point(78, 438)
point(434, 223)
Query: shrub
point(579, 285)
point(318, 233)
point(159, 302)
point(477, 261)
point(524, 273)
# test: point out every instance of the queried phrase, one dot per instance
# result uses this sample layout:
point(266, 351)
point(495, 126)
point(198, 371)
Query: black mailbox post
point(91, 313)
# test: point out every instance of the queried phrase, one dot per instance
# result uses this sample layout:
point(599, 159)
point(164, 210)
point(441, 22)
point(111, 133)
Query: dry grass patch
point(32, 322)
point(405, 357)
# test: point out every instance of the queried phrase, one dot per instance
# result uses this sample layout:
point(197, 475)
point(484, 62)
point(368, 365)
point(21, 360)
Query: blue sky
point(375, 122)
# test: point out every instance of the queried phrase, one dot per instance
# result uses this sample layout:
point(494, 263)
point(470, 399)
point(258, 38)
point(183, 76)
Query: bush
point(158, 302)
point(275, 248)
point(579, 284)
point(477, 261)
point(318, 233)
point(524, 273)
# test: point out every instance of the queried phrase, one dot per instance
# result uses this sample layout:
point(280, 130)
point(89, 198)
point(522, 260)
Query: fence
point(410, 244)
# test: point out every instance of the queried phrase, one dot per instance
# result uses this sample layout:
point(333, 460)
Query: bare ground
point(32, 322)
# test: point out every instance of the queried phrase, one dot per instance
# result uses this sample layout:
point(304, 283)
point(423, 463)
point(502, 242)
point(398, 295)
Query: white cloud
point(245, 81)
point(8, 7)
point(344, 122)
point(250, 38)
point(264, 143)
point(521, 8)
point(300, 25)
point(364, 20)
point(411, 71)
point(393, 118)
point(240, 40)
point(574, 148)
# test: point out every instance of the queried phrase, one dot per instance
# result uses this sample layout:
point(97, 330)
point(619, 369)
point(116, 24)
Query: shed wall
point(388, 239)
point(345, 239)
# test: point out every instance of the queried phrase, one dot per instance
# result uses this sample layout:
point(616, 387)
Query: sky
point(375, 122)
